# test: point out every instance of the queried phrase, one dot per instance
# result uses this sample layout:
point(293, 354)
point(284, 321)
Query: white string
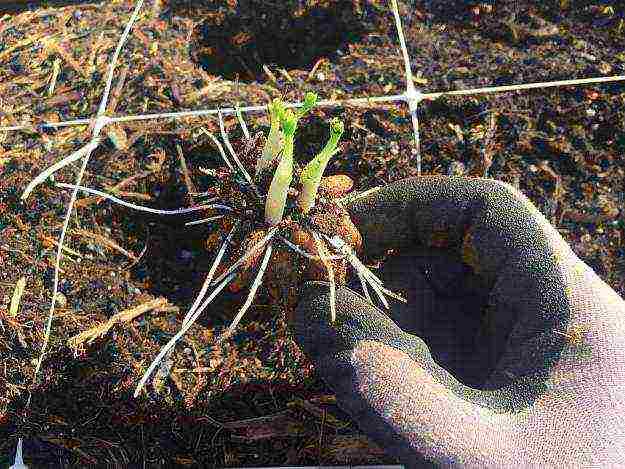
point(99, 124)
point(371, 100)
point(412, 96)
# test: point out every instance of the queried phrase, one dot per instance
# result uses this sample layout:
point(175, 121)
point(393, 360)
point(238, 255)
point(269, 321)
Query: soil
point(256, 400)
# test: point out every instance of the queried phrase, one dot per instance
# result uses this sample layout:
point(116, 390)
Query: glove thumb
point(389, 384)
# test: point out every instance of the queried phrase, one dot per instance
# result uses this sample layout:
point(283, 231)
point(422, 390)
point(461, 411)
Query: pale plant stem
point(185, 327)
point(143, 208)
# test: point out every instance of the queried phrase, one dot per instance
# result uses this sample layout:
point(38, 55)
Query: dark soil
point(563, 147)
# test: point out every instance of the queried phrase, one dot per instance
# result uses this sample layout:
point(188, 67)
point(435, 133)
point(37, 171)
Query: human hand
point(509, 353)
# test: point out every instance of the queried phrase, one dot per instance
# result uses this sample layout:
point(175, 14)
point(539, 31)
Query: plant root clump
point(287, 267)
point(267, 234)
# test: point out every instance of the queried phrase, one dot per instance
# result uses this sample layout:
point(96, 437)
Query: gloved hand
point(509, 353)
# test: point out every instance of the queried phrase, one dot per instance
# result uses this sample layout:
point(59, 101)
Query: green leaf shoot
point(313, 172)
point(279, 187)
point(274, 141)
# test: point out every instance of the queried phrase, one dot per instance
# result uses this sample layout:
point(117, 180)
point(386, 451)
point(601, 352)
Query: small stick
point(104, 241)
point(185, 172)
point(56, 68)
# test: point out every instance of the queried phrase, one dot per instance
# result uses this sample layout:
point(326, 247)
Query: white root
point(211, 271)
point(186, 326)
point(45, 174)
point(250, 297)
point(224, 136)
point(365, 290)
point(100, 122)
point(376, 289)
point(364, 274)
point(349, 198)
point(143, 208)
point(248, 254)
point(328, 265)
point(204, 220)
point(220, 148)
point(242, 122)
point(305, 254)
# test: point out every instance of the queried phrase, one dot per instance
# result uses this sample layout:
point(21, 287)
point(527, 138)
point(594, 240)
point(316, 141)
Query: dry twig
point(88, 336)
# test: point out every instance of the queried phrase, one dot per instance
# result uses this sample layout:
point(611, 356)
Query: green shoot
point(273, 144)
point(313, 172)
point(279, 187)
point(310, 101)
point(275, 139)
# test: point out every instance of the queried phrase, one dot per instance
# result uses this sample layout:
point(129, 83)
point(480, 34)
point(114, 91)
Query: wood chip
point(88, 336)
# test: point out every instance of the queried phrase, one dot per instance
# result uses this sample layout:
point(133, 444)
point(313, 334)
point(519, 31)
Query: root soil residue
point(562, 146)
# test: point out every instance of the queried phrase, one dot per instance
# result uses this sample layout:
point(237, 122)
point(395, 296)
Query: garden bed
point(256, 400)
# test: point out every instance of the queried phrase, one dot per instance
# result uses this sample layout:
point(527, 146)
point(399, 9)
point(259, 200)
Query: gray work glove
point(509, 353)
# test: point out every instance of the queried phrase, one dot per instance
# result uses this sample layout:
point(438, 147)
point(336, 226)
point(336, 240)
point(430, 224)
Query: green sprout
point(273, 144)
point(313, 172)
point(279, 187)
point(275, 139)
point(310, 101)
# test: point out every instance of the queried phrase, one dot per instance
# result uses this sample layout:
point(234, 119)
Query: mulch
point(256, 400)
